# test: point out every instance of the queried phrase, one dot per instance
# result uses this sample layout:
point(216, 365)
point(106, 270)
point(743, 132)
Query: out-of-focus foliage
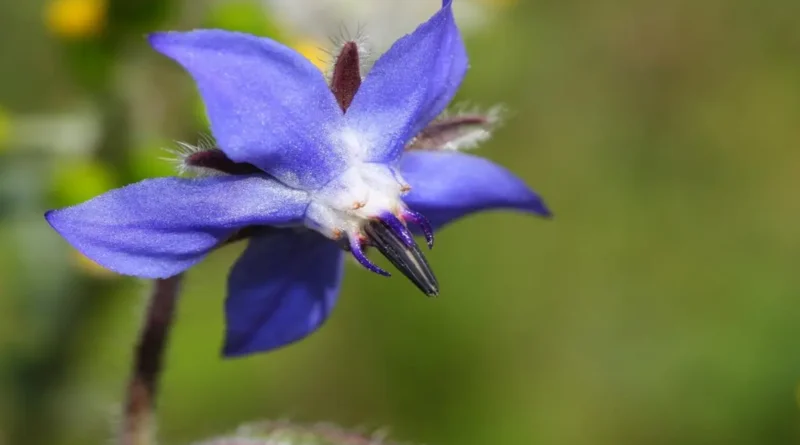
point(661, 305)
point(272, 432)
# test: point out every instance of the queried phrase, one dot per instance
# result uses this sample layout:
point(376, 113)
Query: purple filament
point(398, 228)
point(357, 249)
point(423, 224)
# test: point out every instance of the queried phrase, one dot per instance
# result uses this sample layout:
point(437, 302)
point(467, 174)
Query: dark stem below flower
point(138, 424)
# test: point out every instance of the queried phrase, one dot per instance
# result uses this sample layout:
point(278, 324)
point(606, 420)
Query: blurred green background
point(660, 306)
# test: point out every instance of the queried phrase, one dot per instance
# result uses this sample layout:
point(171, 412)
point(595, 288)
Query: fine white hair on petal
point(181, 151)
point(462, 127)
point(468, 140)
point(495, 115)
point(206, 141)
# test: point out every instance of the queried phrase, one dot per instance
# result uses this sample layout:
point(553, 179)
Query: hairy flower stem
point(138, 424)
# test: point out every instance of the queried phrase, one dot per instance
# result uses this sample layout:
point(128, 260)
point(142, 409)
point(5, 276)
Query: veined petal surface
point(448, 185)
point(268, 105)
point(281, 290)
point(160, 227)
point(409, 86)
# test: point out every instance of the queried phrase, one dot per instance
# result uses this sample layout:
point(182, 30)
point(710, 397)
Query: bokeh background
point(660, 306)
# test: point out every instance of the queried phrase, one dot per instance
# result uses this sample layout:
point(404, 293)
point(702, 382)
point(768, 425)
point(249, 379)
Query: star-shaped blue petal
point(306, 169)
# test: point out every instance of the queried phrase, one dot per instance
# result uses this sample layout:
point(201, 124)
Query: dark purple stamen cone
point(408, 259)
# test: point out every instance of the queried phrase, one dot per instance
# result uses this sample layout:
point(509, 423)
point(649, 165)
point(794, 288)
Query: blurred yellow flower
point(312, 50)
point(73, 19)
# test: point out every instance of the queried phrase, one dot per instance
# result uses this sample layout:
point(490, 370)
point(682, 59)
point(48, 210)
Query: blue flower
point(305, 169)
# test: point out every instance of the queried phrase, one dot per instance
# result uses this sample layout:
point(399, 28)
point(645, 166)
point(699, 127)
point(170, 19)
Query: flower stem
point(138, 424)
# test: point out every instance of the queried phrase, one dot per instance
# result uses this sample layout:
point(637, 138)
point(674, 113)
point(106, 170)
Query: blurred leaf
point(243, 16)
point(78, 181)
point(268, 433)
point(5, 127)
point(131, 17)
point(152, 160)
point(199, 111)
point(90, 62)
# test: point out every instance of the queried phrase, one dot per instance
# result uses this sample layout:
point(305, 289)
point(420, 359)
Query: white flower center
point(362, 192)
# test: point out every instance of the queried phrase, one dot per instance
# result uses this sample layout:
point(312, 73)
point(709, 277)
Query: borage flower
point(304, 169)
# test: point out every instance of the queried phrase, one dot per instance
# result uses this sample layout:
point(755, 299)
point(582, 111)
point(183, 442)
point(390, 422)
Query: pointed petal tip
point(241, 346)
point(448, 186)
point(159, 227)
point(236, 348)
point(410, 84)
point(48, 216)
point(226, 354)
point(156, 39)
point(58, 224)
point(535, 205)
point(62, 226)
point(165, 42)
point(541, 209)
point(232, 350)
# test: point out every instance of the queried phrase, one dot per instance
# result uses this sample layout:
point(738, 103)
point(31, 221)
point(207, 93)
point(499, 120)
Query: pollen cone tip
point(407, 258)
